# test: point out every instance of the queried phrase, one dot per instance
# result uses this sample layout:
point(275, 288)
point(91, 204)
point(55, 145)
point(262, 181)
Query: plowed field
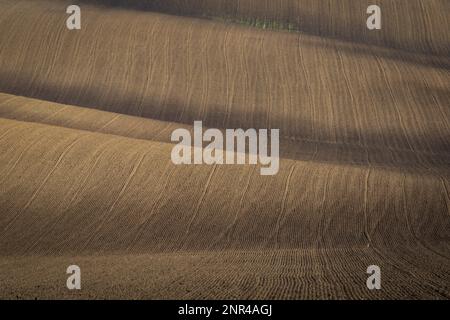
point(86, 176)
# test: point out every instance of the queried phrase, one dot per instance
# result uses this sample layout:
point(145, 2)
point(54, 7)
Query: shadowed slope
point(68, 192)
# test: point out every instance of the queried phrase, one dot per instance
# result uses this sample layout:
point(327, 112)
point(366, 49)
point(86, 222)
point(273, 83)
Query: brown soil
point(86, 176)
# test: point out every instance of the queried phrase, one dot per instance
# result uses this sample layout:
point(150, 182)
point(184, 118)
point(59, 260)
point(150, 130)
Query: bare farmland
point(86, 174)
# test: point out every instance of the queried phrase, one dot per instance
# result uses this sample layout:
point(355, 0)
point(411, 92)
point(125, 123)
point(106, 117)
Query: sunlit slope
point(91, 119)
point(412, 25)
